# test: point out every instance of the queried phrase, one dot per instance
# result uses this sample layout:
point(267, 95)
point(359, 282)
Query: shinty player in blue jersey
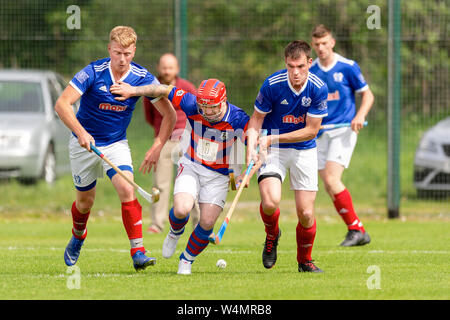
point(335, 146)
point(102, 121)
point(203, 170)
point(290, 105)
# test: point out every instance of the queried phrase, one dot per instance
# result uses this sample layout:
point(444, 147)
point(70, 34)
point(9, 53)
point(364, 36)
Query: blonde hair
point(125, 36)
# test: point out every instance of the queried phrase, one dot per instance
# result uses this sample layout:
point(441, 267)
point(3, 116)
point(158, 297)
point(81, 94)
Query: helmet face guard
point(211, 117)
point(211, 94)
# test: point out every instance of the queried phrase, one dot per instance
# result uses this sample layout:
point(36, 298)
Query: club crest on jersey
point(179, 93)
point(338, 76)
point(306, 101)
point(293, 119)
point(108, 106)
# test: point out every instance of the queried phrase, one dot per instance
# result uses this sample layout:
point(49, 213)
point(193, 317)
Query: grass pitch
point(411, 258)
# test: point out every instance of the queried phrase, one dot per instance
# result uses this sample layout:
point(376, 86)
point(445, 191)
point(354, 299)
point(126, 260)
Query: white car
point(33, 140)
point(432, 159)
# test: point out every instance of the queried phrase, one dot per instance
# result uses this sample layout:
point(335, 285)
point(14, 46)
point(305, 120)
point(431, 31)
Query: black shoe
point(309, 266)
point(269, 255)
point(355, 238)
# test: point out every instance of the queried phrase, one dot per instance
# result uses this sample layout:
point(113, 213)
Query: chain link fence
point(242, 43)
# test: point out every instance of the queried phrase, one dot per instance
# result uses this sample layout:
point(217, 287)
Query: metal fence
point(241, 43)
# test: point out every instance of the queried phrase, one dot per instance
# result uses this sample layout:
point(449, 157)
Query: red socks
point(132, 221)
point(79, 223)
point(131, 217)
point(305, 236)
point(305, 240)
point(271, 223)
point(344, 206)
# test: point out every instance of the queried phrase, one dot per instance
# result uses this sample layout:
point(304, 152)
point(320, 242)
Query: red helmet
point(211, 92)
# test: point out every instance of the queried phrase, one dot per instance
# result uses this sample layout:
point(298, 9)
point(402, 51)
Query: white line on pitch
point(231, 251)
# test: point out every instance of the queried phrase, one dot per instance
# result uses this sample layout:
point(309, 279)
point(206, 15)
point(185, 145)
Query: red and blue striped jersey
point(210, 143)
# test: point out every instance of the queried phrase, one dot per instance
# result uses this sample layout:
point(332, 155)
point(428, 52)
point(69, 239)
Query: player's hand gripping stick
point(217, 238)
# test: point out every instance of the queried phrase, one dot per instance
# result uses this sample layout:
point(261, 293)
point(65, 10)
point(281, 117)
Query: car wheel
point(27, 181)
point(49, 166)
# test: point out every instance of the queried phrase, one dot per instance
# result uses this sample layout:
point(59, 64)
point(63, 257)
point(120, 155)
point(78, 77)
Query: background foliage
point(242, 43)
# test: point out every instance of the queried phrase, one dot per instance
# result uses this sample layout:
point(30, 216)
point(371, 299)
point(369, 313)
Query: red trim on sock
point(344, 206)
point(305, 241)
point(270, 222)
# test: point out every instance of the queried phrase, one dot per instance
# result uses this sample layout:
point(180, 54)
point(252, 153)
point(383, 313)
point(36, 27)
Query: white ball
point(221, 263)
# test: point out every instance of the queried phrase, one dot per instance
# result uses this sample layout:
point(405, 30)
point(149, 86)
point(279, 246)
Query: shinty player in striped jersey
point(203, 170)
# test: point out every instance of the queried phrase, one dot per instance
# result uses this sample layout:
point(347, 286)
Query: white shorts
point(302, 166)
point(203, 184)
point(87, 166)
point(336, 145)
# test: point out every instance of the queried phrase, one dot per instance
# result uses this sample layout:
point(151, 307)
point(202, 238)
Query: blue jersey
point(210, 143)
point(287, 109)
point(103, 117)
point(343, 78)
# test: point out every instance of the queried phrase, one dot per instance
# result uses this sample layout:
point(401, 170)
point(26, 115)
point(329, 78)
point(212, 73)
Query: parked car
point(432, 160)
point(33, 140)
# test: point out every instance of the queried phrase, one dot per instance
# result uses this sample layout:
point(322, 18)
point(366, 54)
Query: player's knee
point(207, 223)
point(181, 211)
point(84, 204)
point(327, 179)
point(126, 193)
point(269, 206)
point(330, 181)
point(306, 216)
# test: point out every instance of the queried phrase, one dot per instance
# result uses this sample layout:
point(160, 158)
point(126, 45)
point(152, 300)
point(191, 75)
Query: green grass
point(412, 256)
point(412, 252)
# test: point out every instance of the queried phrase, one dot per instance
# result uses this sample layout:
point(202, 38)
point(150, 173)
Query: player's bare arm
point(309, 132)
point(169, 118)
point(63, 108)
point(254, 127)
point(367, 99)
point(125, 90)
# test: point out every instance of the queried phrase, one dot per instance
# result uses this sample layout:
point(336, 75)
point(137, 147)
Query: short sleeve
point(318, 106)
point(263, 102)
point(242, 124)
point(184, 100)
point(356, 79)
point(83, 80)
